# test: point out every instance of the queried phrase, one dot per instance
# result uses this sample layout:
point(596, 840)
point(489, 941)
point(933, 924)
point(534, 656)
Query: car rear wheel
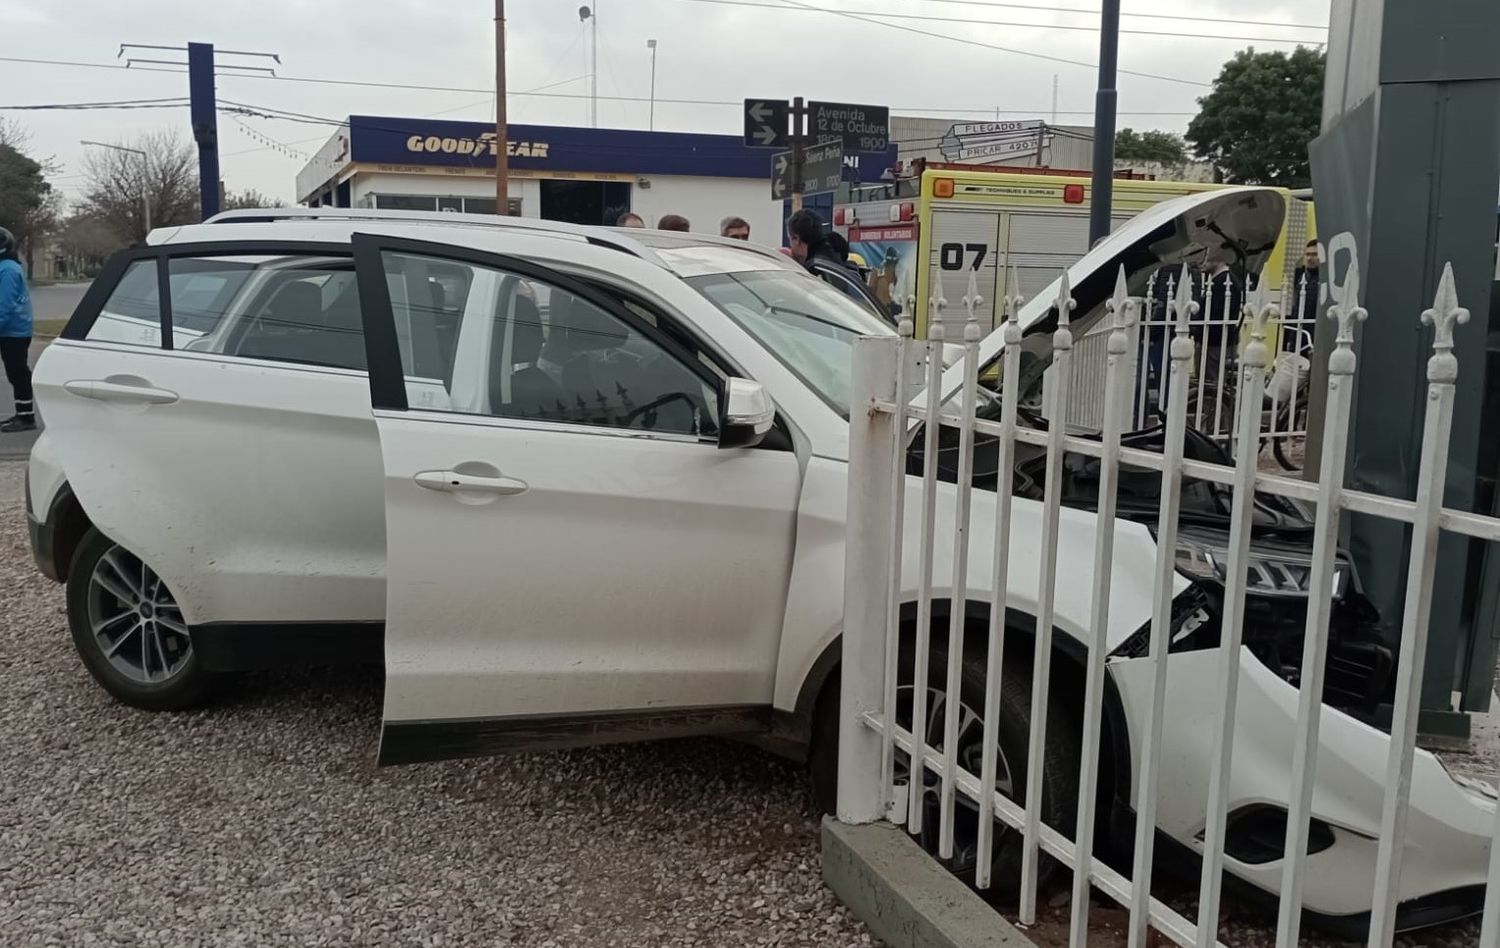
point(129, 629)
point(1060, 768)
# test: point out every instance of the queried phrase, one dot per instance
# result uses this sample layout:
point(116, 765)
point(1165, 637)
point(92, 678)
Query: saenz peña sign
point(483, 144)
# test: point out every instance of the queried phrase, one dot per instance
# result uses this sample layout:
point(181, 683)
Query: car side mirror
point(747, 414)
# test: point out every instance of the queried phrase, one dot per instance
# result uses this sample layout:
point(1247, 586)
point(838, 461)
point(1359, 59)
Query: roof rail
point(607, 237)
point(618, 238)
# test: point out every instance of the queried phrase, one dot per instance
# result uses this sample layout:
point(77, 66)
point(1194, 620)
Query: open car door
point(572, 556)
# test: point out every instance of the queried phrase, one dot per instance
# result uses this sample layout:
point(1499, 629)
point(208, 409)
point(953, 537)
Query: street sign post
point(766, 123)
point(822, 170)
point(860, 128)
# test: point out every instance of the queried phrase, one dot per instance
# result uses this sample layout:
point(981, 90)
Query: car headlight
point(1272, 569)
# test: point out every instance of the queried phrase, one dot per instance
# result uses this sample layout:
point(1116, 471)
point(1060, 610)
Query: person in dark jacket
point(15, 334)
point(808, 242)
point(1305, 282)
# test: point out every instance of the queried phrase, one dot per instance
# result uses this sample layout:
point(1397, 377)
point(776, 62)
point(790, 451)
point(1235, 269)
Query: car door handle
point(106, 390)
point(454, 482)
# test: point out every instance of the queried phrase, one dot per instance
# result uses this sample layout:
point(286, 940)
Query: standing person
point(15, 334)
point(736, 227)
point(629, 219)
point(1305, 282)
point(674, 222)
point(808, 243)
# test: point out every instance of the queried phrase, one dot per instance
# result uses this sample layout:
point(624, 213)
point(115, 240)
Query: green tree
point(1164, 147)
point(1255, 125)
point(28, 204)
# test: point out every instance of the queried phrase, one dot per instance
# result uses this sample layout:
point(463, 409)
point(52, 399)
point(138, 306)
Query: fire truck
point(921, 236)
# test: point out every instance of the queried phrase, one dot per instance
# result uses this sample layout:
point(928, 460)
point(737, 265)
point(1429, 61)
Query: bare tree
point(87, 241)
point(116, 181)
point(235, 200)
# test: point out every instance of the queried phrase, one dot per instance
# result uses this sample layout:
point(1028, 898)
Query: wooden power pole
point(502, 161)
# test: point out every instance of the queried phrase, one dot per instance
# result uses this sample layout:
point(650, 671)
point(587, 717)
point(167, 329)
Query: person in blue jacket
point(15, 334)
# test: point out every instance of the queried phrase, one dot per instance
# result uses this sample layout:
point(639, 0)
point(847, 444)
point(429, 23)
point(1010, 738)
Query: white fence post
point(1041, 671)
point(1320, 594)
point(1117, 379)
point(866, 572)
point(1174, 385)
point(1232, 628)
point(1442, 375)
point(999, 584)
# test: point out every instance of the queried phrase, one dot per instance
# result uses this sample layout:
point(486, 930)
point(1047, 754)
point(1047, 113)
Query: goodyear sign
point(483, 145)
point(452, 147)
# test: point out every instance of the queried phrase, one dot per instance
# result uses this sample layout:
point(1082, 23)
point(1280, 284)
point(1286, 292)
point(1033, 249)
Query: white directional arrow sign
point(766, 123)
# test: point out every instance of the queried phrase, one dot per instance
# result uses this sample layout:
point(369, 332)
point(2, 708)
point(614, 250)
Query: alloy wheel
point(135, 620)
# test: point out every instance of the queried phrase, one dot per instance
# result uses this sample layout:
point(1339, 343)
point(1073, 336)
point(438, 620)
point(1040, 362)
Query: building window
point(454, 203)
point(405, 202)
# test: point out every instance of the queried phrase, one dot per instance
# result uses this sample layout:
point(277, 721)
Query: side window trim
point(99, 291)
point(388, 385)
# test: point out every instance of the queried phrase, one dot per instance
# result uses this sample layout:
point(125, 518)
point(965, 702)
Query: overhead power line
point(928, 18)
point(983, 45)
point(418, 87)
point(1144, 16)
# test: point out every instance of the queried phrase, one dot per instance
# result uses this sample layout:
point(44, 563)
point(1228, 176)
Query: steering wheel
point(647, 413)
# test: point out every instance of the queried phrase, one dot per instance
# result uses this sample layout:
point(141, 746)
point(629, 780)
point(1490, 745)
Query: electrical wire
point(175, 102)
point(1143, 16)
point(983, 45)
point(1036, 26)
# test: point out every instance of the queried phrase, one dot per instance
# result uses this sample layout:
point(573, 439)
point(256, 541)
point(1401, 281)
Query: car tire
point(1061, 759)
point(129, 631)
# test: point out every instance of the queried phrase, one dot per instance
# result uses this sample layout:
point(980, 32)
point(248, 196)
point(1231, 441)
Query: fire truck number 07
point(951, 256)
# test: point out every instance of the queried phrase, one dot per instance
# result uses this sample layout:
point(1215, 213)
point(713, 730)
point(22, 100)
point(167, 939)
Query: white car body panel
point(45, 475)
point(685, 548)
point(293, 533)
point(1448, 837)
point(815, 606)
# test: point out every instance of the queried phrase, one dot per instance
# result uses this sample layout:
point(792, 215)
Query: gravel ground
point(263, 821)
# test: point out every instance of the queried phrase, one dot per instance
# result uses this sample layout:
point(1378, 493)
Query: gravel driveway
point(263, 821)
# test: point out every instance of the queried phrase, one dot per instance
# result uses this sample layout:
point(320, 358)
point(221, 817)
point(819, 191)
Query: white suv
point(600, 497)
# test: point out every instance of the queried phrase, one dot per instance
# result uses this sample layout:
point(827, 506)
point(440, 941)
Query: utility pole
point(799, 110)
point(651, 45)
point(591, 15)
point(502, 159)
point(204, 114)
point(1105, 102)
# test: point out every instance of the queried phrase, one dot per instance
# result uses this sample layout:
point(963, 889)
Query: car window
point(848, 284)
point(132, 314)
point(534, 351)
point(805, 323)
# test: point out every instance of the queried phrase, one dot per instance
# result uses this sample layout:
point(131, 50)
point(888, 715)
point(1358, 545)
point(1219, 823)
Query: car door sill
point(410, 742)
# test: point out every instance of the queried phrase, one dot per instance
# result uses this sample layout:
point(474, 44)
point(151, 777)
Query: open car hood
point(1181, 230)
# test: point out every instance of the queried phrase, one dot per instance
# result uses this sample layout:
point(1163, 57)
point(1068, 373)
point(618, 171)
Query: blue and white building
point(583, 175)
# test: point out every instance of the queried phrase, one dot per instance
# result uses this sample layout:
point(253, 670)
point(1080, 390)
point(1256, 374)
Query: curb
point(905, 897)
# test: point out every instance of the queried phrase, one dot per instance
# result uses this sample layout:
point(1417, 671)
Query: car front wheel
point(129, 629)
point(1060, 760)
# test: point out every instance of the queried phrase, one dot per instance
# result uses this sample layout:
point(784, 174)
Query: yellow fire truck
point(922, 236)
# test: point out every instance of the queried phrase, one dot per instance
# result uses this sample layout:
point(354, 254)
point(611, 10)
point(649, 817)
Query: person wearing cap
point(15, 334)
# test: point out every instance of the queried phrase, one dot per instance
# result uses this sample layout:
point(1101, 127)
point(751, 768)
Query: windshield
point(805, 323)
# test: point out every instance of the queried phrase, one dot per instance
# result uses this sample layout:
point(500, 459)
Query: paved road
point(49, 302)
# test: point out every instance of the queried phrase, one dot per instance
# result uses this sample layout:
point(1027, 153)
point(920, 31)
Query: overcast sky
point(708, 50)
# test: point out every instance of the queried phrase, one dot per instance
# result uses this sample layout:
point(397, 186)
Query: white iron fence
point(901, 757)
point(1217, 326)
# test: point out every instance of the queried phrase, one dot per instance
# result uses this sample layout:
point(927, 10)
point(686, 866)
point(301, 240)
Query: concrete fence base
point(906, 897)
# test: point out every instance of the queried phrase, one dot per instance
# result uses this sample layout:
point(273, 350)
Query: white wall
point(706, 201)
